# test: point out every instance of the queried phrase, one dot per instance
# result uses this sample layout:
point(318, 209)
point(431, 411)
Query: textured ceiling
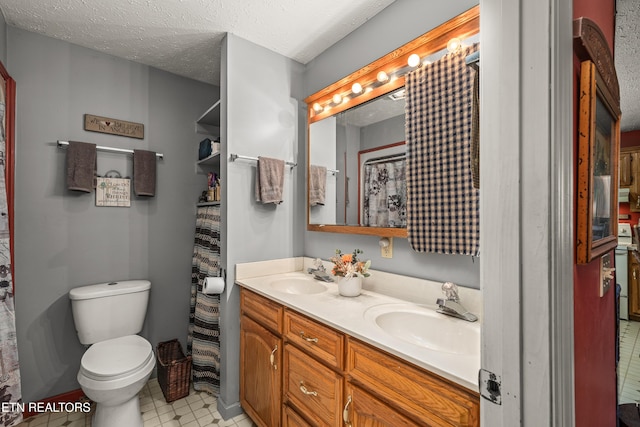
point(184, 36)
point(627, 59)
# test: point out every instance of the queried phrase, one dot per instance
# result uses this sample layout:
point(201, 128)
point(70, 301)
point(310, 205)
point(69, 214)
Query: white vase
point(350, 286)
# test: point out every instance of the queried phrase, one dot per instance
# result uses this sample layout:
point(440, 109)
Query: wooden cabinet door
point(634, 287)
point(626, 178)
point(363, 410)
point(260, 373)
point(634, 187)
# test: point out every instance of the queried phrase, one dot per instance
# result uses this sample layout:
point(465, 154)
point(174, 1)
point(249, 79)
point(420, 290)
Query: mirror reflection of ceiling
point(386, 107)
point(627, 61)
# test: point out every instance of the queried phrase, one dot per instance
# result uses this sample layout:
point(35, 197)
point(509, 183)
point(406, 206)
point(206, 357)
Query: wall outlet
point(387, 250)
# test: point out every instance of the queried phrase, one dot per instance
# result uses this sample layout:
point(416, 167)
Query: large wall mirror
point(356, 151)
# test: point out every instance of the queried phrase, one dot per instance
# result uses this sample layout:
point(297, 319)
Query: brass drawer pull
point(304, 390)
point(307, 339)
point(345, 412)
point(272, 358)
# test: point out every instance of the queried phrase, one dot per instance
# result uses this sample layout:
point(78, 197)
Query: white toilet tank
point(109, 310)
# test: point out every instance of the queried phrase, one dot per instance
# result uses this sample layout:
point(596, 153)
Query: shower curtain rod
point(389, 158)
point(62, 144)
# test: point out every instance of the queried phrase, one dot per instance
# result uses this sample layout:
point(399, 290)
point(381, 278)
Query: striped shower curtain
point(203, 342)
point(10, 392)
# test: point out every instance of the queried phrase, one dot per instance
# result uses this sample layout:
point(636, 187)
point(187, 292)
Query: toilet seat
point(116, 358)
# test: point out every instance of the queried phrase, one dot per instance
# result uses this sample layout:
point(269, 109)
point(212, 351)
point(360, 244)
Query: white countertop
point(347, 314)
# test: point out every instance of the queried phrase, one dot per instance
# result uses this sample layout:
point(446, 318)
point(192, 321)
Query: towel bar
point(234, 157)
point(62, 144)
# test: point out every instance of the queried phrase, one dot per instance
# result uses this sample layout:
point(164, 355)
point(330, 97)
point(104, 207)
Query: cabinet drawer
point(262, 310)
point(424, 396)
point(316, 339)
point(312, 388)
point(290, 418)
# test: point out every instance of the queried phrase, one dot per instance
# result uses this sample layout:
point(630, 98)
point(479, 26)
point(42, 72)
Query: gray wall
point(3, 40)
point(396, 25)
point(61, 239)
point(260, 117)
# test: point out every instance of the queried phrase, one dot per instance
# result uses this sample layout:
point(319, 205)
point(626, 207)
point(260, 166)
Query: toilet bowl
point(118, 363)
point(112, 373)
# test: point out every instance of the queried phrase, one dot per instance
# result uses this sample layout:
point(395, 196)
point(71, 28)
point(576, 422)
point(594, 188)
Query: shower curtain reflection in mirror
point(385, 193)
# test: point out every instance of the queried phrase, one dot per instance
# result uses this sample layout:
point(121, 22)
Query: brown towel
point(269, 180)
point(144, 173)
point(81, 166)
point(317, 184)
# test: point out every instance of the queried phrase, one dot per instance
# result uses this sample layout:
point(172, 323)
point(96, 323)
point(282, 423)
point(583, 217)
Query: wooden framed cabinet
point(298, 372)
point(630, 175)
point(260, 360)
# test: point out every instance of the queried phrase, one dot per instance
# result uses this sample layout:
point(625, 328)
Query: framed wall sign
point(113, 192)
point(598, 146)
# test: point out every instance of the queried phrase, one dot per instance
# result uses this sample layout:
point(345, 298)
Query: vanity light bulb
point(382, 77)
point(317, 107)
point(356, 88)
point(414, 60)
point(454, 44)
point(337, 99)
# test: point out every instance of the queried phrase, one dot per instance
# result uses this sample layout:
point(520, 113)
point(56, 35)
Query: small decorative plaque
point(113, 126)
point(113, 192)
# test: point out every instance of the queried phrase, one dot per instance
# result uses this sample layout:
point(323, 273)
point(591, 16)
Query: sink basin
point(298, 286)
point(422, 326)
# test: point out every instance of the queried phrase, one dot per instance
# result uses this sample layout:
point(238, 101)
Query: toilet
point(118, 363)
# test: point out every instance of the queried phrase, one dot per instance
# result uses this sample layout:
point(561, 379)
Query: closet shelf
point(213, 159)
point(211, 117)
point(201, 204)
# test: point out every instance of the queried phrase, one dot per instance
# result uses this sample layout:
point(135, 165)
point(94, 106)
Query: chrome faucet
point(319, 272)
point(450, 305)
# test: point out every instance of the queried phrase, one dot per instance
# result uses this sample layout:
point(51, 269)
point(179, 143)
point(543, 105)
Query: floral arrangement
point(348, 265)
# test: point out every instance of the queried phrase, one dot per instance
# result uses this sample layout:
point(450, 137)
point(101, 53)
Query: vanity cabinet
point(296, 371)
point(634, 286)
point(415, 392)
point(260, 359)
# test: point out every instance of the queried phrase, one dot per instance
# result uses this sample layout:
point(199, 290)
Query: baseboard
point(229, 411)
point(71, 396)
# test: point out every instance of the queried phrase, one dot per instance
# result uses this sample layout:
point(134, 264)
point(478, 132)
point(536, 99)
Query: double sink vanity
point(310, 357)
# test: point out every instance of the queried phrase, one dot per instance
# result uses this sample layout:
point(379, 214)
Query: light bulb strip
point(395, 65)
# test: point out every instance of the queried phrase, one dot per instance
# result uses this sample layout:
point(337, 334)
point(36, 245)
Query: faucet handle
point(450, 291)
point(317, 263)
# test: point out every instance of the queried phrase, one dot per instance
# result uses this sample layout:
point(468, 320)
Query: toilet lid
point(115, 358)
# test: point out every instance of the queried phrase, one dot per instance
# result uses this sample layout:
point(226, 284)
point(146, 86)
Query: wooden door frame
point(10, 114)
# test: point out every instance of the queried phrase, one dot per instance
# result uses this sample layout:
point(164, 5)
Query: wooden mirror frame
point(462, 27)
point(598, 80)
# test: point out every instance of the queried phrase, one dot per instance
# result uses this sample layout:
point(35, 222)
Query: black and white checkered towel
point(442, 205)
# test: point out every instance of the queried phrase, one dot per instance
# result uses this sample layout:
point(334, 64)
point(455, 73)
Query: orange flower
point(347, 258)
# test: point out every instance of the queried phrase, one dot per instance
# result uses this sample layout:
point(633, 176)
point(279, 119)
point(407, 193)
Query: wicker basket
point(174, 370)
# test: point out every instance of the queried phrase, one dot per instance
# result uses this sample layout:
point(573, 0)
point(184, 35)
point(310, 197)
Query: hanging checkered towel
point(442, 205)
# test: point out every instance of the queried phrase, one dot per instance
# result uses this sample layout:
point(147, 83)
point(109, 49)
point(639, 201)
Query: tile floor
point(629, 364)
point(196, 410)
